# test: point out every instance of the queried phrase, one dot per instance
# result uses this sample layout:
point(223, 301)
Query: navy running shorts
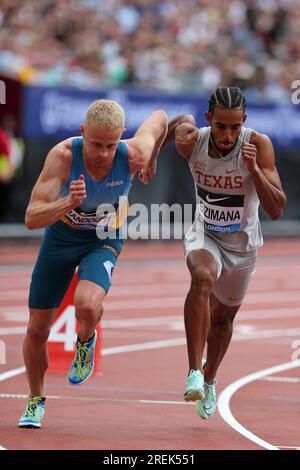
point(62, 250)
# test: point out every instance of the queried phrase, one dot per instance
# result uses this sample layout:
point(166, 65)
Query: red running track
point(137, 402)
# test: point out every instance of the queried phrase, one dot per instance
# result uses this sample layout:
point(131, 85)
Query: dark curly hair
point(227, 97)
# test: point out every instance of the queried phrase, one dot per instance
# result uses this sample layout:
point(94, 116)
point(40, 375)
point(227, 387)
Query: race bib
point(81, 220)
point(221, 213)
point(106, 217)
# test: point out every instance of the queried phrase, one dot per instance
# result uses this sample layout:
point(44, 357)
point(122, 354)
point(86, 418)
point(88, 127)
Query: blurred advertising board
point(57, 112)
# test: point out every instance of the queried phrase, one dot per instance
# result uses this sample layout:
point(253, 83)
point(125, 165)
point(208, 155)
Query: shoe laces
point(210, 390)
point(193, 376)
point(82, 352)
point(32, 406)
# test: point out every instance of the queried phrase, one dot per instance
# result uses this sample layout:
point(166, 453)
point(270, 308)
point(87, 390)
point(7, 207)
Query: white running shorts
point(234, 269)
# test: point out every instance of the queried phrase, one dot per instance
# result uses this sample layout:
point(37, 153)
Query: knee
point(202, 281)
point(37, 334)
point(222, 326)
point(88, 308)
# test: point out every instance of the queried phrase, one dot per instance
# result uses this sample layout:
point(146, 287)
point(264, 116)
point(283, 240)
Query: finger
point(249, 152)
point(77, 185)
point(251, 157)
point(143, 178)
point(77, 188)
point(78, 191)
point(78, 182)
point(249, 148)
point(81, 177)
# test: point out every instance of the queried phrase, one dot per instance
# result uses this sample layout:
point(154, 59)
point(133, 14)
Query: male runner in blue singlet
point(80, 174)
point(234, 171)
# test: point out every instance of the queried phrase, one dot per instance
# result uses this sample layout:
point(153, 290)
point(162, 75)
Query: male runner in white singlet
point(234, 171)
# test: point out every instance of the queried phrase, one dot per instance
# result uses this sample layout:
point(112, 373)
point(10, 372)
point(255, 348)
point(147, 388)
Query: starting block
point(63, 335)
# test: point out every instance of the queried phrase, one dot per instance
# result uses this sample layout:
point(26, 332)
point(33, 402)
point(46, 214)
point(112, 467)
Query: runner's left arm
point(259, 158)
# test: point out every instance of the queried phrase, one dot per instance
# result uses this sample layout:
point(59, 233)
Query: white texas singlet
point(227, 201)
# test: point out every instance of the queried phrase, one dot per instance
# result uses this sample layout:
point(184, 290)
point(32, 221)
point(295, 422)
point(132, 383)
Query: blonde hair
point(106, 113)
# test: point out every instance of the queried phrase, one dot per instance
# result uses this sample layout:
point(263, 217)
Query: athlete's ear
point(208, 117)
point(244, 117)
point(82, 129)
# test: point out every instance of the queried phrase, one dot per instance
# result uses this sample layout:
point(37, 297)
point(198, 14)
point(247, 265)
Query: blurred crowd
point(170, 45)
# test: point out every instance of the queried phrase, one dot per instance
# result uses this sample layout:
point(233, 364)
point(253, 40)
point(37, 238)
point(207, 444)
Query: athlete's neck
point(218, 152)
point(97, 171)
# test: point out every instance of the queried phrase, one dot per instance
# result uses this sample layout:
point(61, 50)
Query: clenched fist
point(148, 173)
point(249, 153)
point(77, 192)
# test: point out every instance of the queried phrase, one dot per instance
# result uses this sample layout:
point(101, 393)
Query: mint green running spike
point(83, 364)
point(207, 407)
point(194, 386)
point(33, 414)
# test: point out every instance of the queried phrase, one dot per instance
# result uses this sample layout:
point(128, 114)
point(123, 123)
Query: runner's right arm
point(182, 128)
point(186, 136)
point(45, 207)
point(173, 125)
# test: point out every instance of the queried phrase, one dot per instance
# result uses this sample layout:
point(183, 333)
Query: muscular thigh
point(231, 287)
point(50, 280)
point(98, 265)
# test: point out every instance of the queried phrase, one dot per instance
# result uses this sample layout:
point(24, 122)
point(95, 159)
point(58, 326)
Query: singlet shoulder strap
point(247, 135)
point(122, 157)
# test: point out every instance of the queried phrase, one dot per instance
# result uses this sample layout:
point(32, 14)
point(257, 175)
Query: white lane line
point(289, 447)
point(178, 301)
point(243, 332)
point(19, 287)
point(20, 395)
point(21, 315)
point(135, 301)
point(281, 379)
point(144, 346)
point(265, 334)
point(11, 373)
point(13, 330)
point(227, 394)
point(167, 319)
point(107, 399)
